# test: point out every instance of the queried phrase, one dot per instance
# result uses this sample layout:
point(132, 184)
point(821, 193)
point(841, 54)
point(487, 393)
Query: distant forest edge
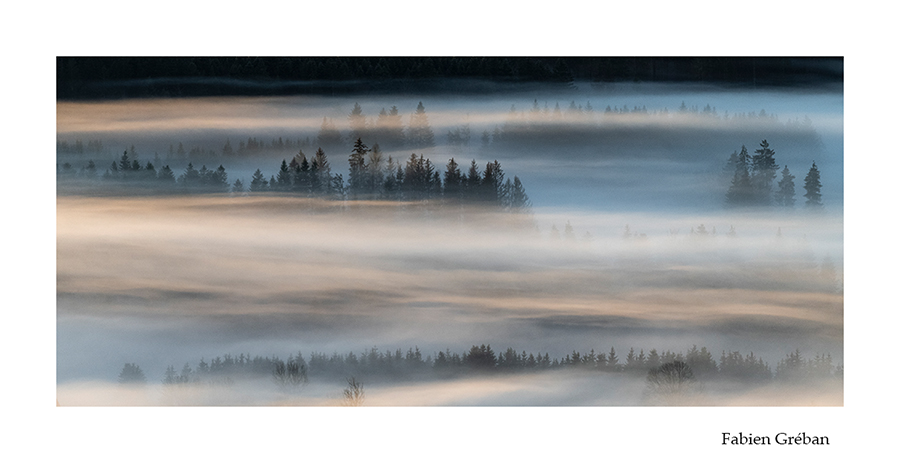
point(371, 176)
point(667, 373)
point(133, 77)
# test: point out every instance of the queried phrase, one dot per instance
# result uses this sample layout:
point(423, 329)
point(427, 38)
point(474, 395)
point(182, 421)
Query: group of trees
point(386, 130)
point(128, 171)
point(753, 181)
point(79, 147)
point(482, 359)
point(371, 176)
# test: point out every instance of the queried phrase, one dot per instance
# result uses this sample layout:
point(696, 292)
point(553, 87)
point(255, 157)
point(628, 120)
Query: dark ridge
point(156, 77)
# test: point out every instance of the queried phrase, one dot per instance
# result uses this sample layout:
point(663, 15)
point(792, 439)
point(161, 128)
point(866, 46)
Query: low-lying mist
point(160, 281)
point(619, 146)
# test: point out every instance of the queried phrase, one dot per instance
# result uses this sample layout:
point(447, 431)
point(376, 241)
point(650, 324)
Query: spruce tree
point(357, 123)
point(124, 163)
point(328, 136)
point(741, 192)
point(258, 182)
point(375, 171)
point(191, 177)
point(763, 174)
point(322, 181)
point(452, 181)
point(785, 194)
point(357, 176)
point(813, 187)
point(283, 182)
point(518, 200)
point(420, 133)
point(166, 175)
point(132, 374)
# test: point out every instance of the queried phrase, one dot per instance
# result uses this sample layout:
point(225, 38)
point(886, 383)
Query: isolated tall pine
point(813, 187)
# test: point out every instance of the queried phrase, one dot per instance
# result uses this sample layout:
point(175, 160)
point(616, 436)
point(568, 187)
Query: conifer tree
point(813, 187)
point(493, 182)
point(191, 177)
point(389, 128)
point(741, 192)
point(357, 122)
point(612, 361)
point(763, 174)
point(219, 179)
point(420, 133)
point(322, 174)
point(124, 163)
point(785, 194)
point(357, 177)
point(391, 186)
point(166, 175)
point(132, 374)
point(375, 171)
point(283, 182)
point(452, 181)
point(258, 182)
point(518, 200)
point(329, 136)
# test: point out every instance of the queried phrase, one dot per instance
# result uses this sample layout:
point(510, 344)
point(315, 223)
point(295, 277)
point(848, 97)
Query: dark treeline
point(753, 181)
point(122, 77)
point(371, 177)
point(412, 364)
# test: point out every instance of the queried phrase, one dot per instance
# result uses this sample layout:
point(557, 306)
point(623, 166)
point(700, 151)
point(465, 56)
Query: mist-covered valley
point(627, 239)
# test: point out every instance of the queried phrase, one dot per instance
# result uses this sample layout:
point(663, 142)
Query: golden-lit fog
point(208, 275)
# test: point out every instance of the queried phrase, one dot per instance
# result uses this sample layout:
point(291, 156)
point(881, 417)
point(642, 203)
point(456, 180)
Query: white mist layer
point(169, 280)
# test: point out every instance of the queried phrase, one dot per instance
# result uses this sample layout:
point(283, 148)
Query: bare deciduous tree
point(354, 394)
point(290, 375)
point(672, 383)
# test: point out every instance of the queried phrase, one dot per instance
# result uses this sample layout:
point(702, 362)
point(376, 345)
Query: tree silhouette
point(290, 375)
point(785, 194)
point(740, 193)
point(357, 123)
point(354, 393)
point(258, 182)
point(480, 358)
point(356, 178)
point(420, 134)
point(132, 374)
point(329, 137)
point(813, 187)
point(671, 383)
point(763, 176)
